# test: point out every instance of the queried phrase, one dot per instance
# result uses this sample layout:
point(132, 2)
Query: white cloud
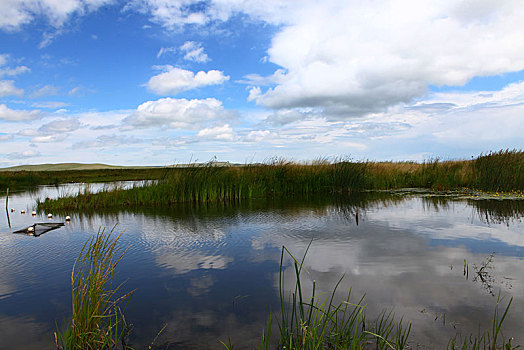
point(194, 52)
point(175, 80)
point(49, 104)
point(49, 138)
point(5, 137)
point(16, 13)
point(3, 59)
point(8, 88)
point(220, 133)
point(24, 154)
point(178, 113)
point(175, 14)
point(46, 90)
point(60, 126)
point(13, 71)
point(165, 50)
point(259, 136)
point(353, 57)
point(17, 115)
point(107, 141)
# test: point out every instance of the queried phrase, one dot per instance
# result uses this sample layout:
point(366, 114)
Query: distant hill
point(67, 166)
point(81, 166)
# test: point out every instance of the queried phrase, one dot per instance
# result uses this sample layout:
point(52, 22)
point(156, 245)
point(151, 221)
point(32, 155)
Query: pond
point(210, 272)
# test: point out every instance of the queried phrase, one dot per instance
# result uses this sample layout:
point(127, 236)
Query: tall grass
point(318, 322)
point(500, 171)
point(97, 320)
point(490, 339)
point(279, 178)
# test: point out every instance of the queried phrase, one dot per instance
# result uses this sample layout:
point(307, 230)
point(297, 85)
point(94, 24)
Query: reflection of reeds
point(97, 321)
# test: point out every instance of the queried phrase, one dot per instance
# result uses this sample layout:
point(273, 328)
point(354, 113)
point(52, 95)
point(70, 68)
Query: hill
point(66, 167)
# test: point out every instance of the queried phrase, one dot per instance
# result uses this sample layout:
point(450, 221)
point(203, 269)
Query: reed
point(500, 171)
point(282, 179)
point(489, 339)
point(318, 322)
point(97, 320)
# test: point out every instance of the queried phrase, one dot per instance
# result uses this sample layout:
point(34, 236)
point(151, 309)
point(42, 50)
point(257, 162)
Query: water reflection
point(210, 271)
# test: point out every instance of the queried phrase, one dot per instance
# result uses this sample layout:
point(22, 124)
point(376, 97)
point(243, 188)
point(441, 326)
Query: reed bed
point(500, 171)
point(97, 320)
point(279, 178)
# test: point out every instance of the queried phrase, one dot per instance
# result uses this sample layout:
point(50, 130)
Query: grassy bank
point(500, 171)
point(27, 179)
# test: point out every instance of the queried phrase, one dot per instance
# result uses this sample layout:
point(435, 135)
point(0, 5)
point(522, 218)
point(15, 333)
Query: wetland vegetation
point(495, 171)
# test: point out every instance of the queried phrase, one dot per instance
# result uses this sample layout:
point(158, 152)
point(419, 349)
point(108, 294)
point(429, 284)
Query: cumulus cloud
point(175, 80)
point(220, 133)
point(194, 51)
point(178, 113)
point(352, 58)
point(17, 115)
point(16, 13)
point(8, 88)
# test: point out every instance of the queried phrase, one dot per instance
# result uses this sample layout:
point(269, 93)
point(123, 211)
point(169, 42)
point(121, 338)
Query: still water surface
point(210, 272)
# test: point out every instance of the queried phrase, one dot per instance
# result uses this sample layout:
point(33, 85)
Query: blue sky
point(154, 82)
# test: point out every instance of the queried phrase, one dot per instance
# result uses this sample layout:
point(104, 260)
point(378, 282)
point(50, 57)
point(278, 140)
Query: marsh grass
point(490, 339)
point(97, 320)
point(282, 179)
point(500, 171)
point(318, 322)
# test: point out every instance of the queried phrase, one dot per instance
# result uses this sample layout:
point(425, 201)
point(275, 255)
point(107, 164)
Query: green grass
point(316, 322)
point(25, 179)
point(97, 320)
point(281, 179)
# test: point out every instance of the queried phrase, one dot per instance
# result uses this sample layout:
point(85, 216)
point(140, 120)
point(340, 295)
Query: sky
point(158, 82)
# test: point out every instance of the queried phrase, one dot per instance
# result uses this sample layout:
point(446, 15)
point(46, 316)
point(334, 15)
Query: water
point(209, 273)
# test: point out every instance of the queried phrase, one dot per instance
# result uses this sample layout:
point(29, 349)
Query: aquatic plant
point(318, 322)
point(97, 320)
point(490, 339)
point(279, 178)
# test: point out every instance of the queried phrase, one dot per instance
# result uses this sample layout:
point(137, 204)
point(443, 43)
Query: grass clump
point(318, 322)
point(491, 339)
point(97, 320)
